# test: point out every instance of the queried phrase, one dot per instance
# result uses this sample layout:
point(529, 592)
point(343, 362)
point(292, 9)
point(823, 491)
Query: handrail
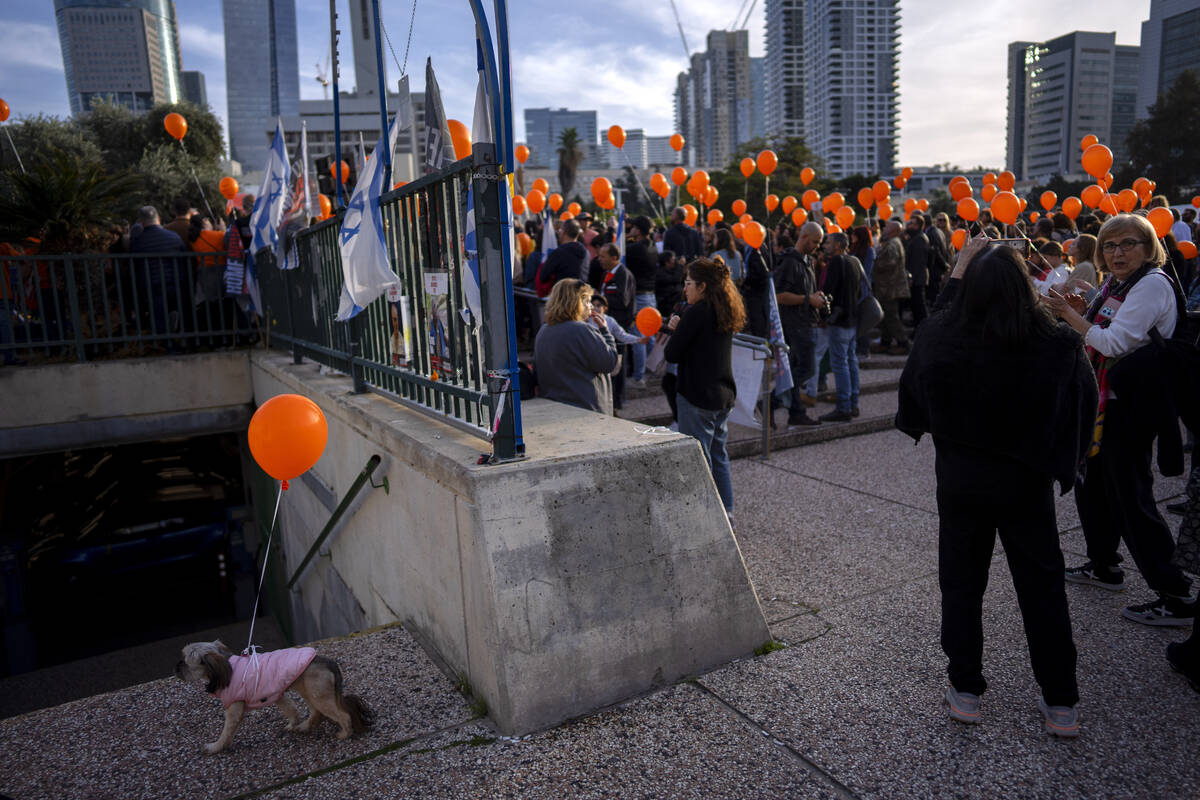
point(362, 478)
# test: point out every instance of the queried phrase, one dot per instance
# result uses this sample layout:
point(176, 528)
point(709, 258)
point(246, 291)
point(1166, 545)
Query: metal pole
point(14, 149)
point(383, 113)
point(337, 117)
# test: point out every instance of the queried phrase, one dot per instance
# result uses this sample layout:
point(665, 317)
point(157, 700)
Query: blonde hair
point(568, 301)
point(1130, 224)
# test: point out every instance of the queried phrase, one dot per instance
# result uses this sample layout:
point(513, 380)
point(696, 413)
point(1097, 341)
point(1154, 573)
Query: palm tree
point(569, 158)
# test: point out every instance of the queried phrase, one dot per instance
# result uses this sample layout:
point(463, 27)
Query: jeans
point(640, 301)
point(843, 361)
point(820, 345)
point(709, 427)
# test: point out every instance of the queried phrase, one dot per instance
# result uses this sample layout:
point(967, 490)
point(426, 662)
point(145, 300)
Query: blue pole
point(383, 114)
point(504, 106)
point(337, 118)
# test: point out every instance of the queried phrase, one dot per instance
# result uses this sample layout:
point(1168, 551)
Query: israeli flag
point(470, 277)
point(621, 233)
point(272, 195)
point(783, 368)
point(366, 267)
point(549, 240)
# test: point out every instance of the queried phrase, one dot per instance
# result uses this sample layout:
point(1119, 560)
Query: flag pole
point(337, 117)
point(383, 115)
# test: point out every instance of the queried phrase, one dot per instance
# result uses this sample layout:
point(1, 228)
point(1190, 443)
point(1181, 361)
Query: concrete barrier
point(599, 567)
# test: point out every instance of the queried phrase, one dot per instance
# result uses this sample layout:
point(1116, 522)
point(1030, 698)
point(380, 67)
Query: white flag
point(272, 195)
point(366, 269)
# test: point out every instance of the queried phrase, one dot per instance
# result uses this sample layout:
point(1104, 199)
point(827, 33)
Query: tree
point(570, 156)
point(634, 196)
point(41, 137)
point(1162, 147)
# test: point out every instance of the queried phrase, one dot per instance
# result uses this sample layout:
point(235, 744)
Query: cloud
point(28, 44)
point(198, 41)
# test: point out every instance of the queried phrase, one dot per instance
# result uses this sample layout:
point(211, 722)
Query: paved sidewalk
point(840, 540)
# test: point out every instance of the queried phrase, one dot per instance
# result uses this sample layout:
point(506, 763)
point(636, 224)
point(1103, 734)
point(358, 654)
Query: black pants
point(668, 387)
point(1116, 500)
point(917, 304)
point(1022, 510)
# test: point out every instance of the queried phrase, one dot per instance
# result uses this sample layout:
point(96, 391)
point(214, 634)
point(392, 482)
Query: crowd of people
point(1064, 354)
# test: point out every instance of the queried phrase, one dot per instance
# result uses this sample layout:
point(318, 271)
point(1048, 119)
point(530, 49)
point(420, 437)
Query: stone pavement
point(840, 540)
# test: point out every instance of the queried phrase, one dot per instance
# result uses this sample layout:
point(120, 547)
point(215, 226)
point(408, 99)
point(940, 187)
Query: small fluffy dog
point(242, 682)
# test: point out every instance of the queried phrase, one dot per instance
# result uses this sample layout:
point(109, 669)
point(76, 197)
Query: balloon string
point(203, 196)
point(266, 557)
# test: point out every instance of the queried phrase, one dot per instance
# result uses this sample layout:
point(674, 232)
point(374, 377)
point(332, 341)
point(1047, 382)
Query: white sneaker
point(635, 383)
point(673, 427)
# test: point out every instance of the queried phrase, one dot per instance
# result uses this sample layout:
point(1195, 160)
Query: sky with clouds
point(621, 58)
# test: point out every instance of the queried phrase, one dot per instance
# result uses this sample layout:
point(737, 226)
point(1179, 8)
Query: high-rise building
point(713, 100)
point(195, 89)
point(758, 122)
point(659, 152)
point(851, 52)
point(119, 51)
point(784, 79)
point(1170, 45)
point(258, 87)
point(1015, 141)
point(1078, 84)
point(633, 153)
point(544, 126)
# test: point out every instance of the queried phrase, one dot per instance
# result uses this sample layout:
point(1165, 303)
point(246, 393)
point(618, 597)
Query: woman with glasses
point(574, 353)
point(701, 344)
point(1116, 498)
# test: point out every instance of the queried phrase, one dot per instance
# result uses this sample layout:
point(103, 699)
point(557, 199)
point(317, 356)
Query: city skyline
point(953, 81)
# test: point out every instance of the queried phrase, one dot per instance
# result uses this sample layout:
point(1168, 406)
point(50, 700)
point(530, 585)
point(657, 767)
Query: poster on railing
point(437, 300)
point(400, 328)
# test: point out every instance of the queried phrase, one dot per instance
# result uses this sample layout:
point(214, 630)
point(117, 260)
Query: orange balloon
point(772, 202)
point(287, 435)
point(1034, 216)
point(789, 203)
point(737, 228)
point(676, 142)
point(1021, 204)
point(518, 204)
point(958, 238)
point(555, 202)
point(832, 228)
point(616, 136)
point(899, 182)
point(541, 185)
point(711, 196)
point(679, 174)
point(701, 178)
point(881, 190)
point(968, 209)
point(809, 199)
point(566, 215)
point(536, 200)
point(845, 216)
point(1006, 207)
point(799, 216)
point(1187, 249)
point(574, 208)
point(909, 205)
point(767, 161)
point(345, 171)
point(692, 214)
point(806, 175)
point(3, 111)
point(1092, 195)
point(836, 201)
point(1127, 200)
point(229, 187)
point(1196, 201)
point(522, 154)
point(744, 218)
point(960, 189)
point(923, 205)
point(1096, 160)
point(1005, 181)
point(460, 137)
point(1106, 181)
point(608, 202)
point(754, 234)
point(662, 190)
point(1072, 207)
point(1088, 141)
point(747, 167)
point(648, 321)
point(1108, 204)
point(715, 216)
point(524, 244)
point(883, 210)
point(601, 187)
point(1141, 186)
point(989, 177)
point(906, 173)
point(326, 206)
point(1162, 220)
point(866, 198)
point(739, 207)
point(1048, 200)
point(989, 191)
point(176, 125)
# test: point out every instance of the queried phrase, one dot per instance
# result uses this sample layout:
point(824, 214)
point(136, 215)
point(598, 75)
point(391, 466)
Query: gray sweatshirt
point(573, 361)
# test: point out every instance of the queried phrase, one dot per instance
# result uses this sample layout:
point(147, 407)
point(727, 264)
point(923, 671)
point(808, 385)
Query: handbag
point(870, 312)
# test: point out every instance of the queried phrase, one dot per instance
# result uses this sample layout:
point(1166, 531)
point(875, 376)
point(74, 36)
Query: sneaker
point(801, 420)
point(1175, 659)
point(962, 706)
point(1170, 612)
point(1061, 721)
point(1092, 575)
point(898, 350)
point(808, 399)
point(854, 412)
point(673, 427)
point(836, 416)
point(636, 383)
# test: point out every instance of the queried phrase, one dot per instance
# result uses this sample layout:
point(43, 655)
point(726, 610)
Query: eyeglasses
point(1125, 245)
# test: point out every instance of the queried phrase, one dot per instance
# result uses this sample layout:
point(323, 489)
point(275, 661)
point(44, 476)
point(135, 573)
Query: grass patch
point(769, 646)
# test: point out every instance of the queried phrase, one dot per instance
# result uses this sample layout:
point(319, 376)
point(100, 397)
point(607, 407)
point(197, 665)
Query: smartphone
point(1020, 245)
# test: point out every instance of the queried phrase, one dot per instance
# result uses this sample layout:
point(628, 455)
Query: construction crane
point(687, 51)
point(323, 75)
point(744, 18)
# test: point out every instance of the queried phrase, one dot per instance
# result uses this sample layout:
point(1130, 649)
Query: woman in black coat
point(1010, 400)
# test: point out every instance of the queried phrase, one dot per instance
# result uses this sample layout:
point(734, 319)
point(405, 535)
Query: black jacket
point(668, 288)
point(619, 292)
point(916, 257)
point(684, 241)
point(642, 260)
point(568, 260)
point(1034, 405)
point(705, 359)
point(843, 281)
point(793, 274)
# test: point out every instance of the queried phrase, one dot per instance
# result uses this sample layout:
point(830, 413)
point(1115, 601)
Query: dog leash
point(251, 648)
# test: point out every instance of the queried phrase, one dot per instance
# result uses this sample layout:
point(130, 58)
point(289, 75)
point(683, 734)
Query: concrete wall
point(65, 406)
point(599, 567)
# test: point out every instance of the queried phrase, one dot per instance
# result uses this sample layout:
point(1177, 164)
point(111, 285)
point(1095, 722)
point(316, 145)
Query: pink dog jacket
point(275, 672)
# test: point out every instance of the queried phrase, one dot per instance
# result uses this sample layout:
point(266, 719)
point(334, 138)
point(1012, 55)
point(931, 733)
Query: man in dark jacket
point(165, 273)
point(569, 259)
point(682, 239)
point(640, 258)
point(799, 300)
point(916, 256)
point(843, 282)
point(939, 259)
